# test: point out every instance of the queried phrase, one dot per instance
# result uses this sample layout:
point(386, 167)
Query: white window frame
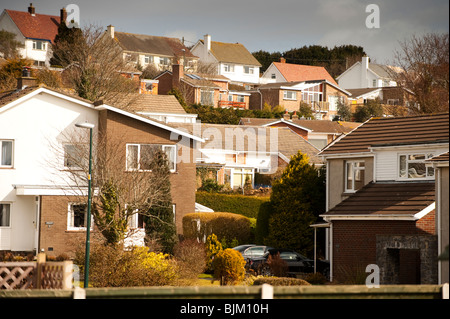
point(9, 215)
point(427, 155)
point(249, 69)
point(71, 216)
point(229, 68)
point(355, 169)
point(148, 59)
point(293, 95)
point(43, 45)
point(2, 155)
point(164, 147)
point(133, 220)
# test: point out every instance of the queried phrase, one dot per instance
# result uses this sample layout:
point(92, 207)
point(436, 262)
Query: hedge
point(281, 281)
point(223, 225)
point(237, 204)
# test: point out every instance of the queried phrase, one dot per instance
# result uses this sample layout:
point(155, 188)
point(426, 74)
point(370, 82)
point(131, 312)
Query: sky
point(265, 25)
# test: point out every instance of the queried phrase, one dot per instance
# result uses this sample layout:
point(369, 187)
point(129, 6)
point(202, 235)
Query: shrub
point(280, 281)
point(223, 225)
point(316, 278)
point(229, 267)
point(237, 204)
point(213, 247)
point(278, 266)
point(191, 258)
point(111, 266)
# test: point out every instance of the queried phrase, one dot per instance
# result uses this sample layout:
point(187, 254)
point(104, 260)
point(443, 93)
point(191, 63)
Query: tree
point(372, 108)
point(297, 199)
point(92, 63)
point(9, 46)
point(344, 111)
point(425, 64)
point(10, 71)
point(121, 193)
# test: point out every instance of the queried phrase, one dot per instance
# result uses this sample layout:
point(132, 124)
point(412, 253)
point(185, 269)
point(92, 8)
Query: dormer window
point(412, 166)
point(39, 45)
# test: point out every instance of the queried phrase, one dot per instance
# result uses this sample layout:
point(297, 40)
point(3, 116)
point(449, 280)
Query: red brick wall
point(354, 243)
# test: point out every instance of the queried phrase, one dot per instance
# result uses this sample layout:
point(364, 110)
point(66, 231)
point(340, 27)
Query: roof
point(152, 44)
point(297, 72)
point(439, 158)
point(301, 85)
point(148, 103)
point(39, 26)
point(357, 93)
point(233, 53)
point(389, 131)
point(316, 126)
point(288, 142)
point(387, 199)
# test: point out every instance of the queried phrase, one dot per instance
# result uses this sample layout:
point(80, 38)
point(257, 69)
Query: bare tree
point(93, 63)
point(425, 61)
point(125, 186)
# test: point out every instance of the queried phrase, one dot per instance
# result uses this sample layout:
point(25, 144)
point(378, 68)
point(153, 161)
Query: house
point(35, 31)
point(289, 72)
point(381, 203)
point(231, 60)
point(395, 100)
point(321, 95)
point(147, 50)
point(235, 154)
point(364, 74)
point(40, 207)
point(205, 89)
point(440, 165)
point(317, 132)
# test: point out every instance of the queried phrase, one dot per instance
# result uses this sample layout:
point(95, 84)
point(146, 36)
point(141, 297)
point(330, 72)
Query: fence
point(36, 274)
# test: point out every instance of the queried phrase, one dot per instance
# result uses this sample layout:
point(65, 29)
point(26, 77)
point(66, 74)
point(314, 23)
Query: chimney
point(207, 40)
point(31, 10)
point(177, 74)
point(286, 115)
point(25, 80)
point(63, 16)
point(110, 31)
point(282, 60)
point(364, 68)
point(295, 116)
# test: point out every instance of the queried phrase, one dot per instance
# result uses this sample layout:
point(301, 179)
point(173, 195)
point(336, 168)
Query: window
point(5, 215)
point(374, 83)
point(290, 95)
point(354, 175)
point(273, 76)
point(6, 153)
point(228, 67)
point(312, 94)
point(240, 98)
point(70, 156)
point(248, 70)
point(412, 166)
point(136, 220)
point(148, 59)
point(207, 97)
point(164, 61)
point(139, 156)
point(77, 217)
point(39, 45)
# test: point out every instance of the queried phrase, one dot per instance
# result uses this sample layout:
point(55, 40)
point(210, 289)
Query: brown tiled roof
point(421, 129)
point(7, 97)
point(135, 102)
point(439, 158)
point(298, 72)
point(233, 52)
point(387, 199)
point(317, 126)
point(39, 26)
point(152, 44)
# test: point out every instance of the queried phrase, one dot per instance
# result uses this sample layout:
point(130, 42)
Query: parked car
point(296, 263)
point(251, 251)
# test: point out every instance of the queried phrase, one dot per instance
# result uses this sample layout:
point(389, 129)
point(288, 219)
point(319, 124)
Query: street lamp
point(88, 226)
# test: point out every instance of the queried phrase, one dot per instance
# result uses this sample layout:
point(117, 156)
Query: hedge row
point(223, 225)
point(237, 204)
point(281, 281)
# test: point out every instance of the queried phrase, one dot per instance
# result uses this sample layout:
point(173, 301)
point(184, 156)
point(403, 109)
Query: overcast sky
point(263, 25)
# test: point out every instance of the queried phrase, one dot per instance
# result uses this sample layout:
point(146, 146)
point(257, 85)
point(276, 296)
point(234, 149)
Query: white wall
point(36, 126)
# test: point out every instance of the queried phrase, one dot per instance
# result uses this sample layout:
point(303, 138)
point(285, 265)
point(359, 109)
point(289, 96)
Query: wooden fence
point(36, 274)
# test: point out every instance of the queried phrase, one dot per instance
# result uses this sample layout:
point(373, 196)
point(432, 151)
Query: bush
point(278, 266)
point(191, 258)
point(212, 247)
point(316, 278)
point(111, 266)
point(280, 281)
point(223, 225)
point(237, 204)
point(229, 267)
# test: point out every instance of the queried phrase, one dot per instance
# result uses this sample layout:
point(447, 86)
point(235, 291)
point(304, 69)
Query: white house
point(232, 60)
point(364, 74)
point(35, 31)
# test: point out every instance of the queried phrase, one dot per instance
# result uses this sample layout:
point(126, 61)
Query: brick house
point(205, 89)
point(381, 198)
point(40, 208)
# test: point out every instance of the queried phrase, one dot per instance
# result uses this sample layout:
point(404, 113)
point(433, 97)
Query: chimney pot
point(31, 9)
point(110, 30)
point(207, 39)
point(26, 79)
point(282, 60)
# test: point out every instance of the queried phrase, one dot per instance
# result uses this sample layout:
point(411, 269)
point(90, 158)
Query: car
point(296, 263)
